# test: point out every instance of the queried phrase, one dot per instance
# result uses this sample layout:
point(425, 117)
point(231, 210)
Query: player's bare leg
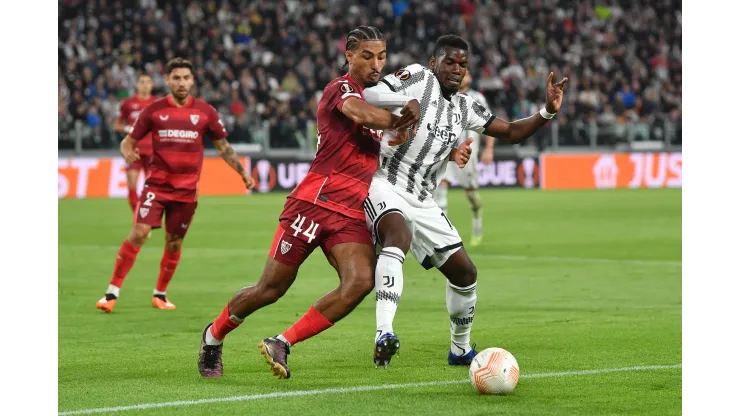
point(275, 280)
point(440, 195)
point(462, 278)
point(132, 179)
point(124, 261)
point(395, 237)
point(476, 207)
point(167, 267)
point(355, 264)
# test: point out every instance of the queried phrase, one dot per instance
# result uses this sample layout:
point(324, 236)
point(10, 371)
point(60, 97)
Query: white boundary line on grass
point(344, 390)
point(233, 251)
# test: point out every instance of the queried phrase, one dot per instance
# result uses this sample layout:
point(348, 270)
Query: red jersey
point(347, 156)
point(177, 145)
point(128, 113)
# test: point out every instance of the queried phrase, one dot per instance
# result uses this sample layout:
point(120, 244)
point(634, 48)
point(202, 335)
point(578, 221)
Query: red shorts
point(178, 215)
point(141, 164)
point(305, 226)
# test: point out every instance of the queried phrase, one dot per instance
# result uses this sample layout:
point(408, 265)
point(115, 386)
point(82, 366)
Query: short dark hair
point(449, 41)
point(175, 63)
point(361, 34)
point(143, 74)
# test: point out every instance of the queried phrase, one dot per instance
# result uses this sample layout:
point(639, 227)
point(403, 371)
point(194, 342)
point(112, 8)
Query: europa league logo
point(528, 173)
point(264, 173)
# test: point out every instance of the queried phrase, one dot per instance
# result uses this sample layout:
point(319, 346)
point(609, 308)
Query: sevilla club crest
point(194, 118)
point(144, 212)
point(285, 246)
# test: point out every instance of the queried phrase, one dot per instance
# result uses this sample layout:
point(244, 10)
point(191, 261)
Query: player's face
point(144, 86)
point(367, 60)
point(450, 67)
point(180, 81)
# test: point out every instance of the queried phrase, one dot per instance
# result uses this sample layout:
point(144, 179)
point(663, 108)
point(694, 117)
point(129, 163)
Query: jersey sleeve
point(409, 80)
point(339, 92)
point(143, 124)
point(216, 127)
point(478, 117)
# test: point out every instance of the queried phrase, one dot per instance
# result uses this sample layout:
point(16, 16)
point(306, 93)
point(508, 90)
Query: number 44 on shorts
point(298, 227)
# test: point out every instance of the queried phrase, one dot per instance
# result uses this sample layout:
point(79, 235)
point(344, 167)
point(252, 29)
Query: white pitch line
point(233, 251)
point(344, 390)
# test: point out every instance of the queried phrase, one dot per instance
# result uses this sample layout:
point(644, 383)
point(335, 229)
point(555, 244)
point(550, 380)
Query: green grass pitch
point(567, 281)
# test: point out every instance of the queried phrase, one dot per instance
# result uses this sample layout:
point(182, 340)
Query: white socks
point(210, 340)
point(461, 307)
point(157, 292)
point(440, 195)
point(113, 290)
point(388, 287)
point(282, 338)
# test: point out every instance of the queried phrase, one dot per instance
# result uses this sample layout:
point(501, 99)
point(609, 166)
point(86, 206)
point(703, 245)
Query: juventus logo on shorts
point(143, 211)
point(285, 246)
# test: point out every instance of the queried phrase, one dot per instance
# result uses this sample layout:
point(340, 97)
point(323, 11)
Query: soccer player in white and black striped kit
point(400, 209)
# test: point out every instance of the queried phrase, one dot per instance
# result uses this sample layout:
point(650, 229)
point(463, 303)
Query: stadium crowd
point(266, 62)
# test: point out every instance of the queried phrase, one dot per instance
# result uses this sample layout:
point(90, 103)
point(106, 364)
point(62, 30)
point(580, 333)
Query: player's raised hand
point(248, 180)
point(463, 153)
point(554, 94)
point(132, 156)
point(410, 115)
point(401, 138)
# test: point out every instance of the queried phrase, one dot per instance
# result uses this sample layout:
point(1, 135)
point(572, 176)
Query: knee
point(470, 275)
point(174, 246)
point(138, 236)
point(358, 286)
point(399, 237)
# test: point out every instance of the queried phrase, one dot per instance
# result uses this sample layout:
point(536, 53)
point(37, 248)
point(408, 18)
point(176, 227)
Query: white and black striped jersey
point(416, 167)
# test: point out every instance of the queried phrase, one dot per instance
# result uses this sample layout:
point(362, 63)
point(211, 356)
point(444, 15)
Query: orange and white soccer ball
point(494, 371)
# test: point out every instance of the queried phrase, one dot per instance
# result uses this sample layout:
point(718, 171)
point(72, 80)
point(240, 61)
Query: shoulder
point(413, 70)
point(342, 83)
point(158, 104)
point(203, 106)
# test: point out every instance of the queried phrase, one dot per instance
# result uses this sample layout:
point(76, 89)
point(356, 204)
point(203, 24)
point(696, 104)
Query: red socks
point(133, 198)
point(125, 260)
point(312, 323)
point(224, 324)
point(167, 268)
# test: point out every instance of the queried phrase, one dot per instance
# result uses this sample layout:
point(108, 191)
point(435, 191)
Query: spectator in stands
point(621, 53)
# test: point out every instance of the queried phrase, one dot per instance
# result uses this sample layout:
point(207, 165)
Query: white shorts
point(466, 178)
point(433, 237)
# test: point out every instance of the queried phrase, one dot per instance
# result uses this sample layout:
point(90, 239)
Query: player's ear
point(432, 62)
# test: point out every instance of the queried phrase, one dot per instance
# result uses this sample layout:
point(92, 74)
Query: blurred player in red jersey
point(129, 111)
point(177, 124)
point(325, 210)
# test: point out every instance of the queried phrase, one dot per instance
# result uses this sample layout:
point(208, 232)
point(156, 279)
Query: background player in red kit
point(177, 123)
point(129, 111)
point(324, 210)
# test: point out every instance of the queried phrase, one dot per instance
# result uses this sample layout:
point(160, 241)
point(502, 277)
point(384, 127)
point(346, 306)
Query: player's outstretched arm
point(365, 114)
point(520, 130)
point(229, 156)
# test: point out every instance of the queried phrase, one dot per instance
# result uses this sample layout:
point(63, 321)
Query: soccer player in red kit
point(177, 124)
point(325, 210)
point(129, 110)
